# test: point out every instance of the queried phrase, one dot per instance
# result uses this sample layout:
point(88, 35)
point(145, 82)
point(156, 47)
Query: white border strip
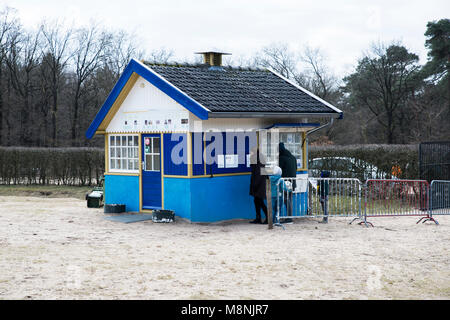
point(306, 91)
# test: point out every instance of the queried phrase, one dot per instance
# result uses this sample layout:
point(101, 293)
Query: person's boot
point(257, 220)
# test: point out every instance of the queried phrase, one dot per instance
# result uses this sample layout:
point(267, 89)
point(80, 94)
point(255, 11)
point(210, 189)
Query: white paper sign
point(231, 161)
point(220, 161)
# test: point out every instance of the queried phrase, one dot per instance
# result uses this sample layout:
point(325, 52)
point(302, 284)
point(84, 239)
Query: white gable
point(146, 109)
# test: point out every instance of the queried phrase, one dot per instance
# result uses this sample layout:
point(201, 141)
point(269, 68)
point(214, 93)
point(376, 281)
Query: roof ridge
point(200, 66)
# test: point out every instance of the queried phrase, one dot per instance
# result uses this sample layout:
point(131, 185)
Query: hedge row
point(61, 166)
point(84, 166)
point(386, 158)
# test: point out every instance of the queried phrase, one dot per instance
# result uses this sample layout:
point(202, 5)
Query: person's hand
point(288, 185)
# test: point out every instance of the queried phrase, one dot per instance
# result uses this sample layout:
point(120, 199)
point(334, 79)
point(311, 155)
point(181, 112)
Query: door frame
point(141, 150)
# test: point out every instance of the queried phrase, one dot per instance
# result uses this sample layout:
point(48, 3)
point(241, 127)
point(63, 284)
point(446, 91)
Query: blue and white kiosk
point(179, 137)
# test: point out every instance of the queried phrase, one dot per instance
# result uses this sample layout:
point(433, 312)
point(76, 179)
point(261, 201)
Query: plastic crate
point(164, 216)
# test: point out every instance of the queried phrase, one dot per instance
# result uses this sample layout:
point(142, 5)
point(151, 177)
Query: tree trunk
point(1, 115)
point(1, 107)
point(54, 125)
point(75, 143)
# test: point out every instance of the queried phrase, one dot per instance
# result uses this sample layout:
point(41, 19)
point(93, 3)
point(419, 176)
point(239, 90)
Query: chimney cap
point(213, 58)
point(215, 52)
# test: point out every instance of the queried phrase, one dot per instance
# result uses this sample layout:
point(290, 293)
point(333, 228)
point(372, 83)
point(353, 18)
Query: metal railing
point(396, 197)
point(439, 197)
point(348, 197)
point(318, 197)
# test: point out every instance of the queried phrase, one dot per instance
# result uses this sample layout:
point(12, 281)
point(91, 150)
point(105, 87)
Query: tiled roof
point(236, 90)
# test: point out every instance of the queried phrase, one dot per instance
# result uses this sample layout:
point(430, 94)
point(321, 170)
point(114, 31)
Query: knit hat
point(277, 171)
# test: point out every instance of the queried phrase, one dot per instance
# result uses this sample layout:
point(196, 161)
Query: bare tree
point(279, 58)
point(55, 58)
point(22, 61)
point(161, 55)
point(120, 51)
point(90, 45)
point(316, 75)
point(8, 27)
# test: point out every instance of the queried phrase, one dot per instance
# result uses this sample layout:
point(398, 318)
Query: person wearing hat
point(277, 186)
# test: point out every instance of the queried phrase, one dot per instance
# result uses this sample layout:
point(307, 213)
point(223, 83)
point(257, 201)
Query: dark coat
point(287, 163)
point(257, 181)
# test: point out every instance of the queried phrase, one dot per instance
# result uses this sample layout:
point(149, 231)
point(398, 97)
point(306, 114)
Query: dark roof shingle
point(235, 90)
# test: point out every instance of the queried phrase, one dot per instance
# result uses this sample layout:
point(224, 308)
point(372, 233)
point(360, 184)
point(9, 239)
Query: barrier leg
point(428, 218)
point(354, 219)
point(366, 223)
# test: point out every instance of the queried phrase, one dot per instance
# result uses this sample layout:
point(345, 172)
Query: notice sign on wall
point(227, 161)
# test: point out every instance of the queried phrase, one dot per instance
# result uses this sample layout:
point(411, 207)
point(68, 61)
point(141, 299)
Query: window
point(293, 142)
point(123, 153)
point(152, 154)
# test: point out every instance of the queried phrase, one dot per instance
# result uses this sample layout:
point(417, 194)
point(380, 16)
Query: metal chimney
point(213, 58)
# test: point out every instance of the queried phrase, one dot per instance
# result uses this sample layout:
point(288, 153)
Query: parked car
point(342, 167)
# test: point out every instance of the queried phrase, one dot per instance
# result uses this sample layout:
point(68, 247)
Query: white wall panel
point(146, 108)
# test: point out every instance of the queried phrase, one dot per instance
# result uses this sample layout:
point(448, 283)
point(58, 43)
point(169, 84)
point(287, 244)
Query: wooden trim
point(305, 155)
point(121, 174)
point(145, 132)
point(204, 154)
point(209, 176)
point(161, 159)
point(140, 172)
point(106, 153)
point(189, 157)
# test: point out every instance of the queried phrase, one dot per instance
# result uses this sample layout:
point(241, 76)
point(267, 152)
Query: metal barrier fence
point(396, 198)
point(439, 197)
point(343, 197)
point(317, 197)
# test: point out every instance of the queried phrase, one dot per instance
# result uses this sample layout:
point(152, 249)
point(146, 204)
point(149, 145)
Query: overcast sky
point(342, 29)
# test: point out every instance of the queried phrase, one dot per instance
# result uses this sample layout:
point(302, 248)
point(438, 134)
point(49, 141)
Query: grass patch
point(50, 191)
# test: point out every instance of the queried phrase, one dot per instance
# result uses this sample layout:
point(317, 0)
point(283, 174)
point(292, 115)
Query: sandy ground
point(59, 249)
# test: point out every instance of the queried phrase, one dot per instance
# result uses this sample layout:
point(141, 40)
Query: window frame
point(292, 145)
point(152, 154)
point(135, 137)
point(300, 161)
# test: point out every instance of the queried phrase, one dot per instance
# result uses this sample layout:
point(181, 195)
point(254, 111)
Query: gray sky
point(342, 29)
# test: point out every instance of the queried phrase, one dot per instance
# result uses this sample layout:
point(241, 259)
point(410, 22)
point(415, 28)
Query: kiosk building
point(179, 137)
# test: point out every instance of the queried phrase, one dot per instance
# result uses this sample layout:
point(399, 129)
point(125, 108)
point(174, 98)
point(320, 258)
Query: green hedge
point(61, 166)
point(384, 157)
point(84, 166)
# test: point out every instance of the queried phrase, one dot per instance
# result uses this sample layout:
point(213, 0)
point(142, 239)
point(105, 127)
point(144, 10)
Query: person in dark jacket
point(257, 185)
point(324, 190)
point(288, 165)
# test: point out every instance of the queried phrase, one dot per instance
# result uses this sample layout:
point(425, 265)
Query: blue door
point(151, 171)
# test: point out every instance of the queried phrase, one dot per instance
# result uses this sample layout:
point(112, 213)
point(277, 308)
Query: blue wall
point(221, 198)
point(122, 190)
point(171, 141)
point(209, 199)
point(177, 196)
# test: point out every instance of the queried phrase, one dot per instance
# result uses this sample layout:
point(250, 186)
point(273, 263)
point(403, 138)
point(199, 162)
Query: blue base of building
point(202, 199)
point(122, 190)
point(209, 199)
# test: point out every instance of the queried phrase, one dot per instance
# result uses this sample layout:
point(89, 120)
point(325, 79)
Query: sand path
point(59, 249)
